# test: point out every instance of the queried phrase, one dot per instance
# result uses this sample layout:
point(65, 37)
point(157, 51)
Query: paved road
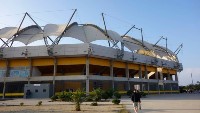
point(167, 103)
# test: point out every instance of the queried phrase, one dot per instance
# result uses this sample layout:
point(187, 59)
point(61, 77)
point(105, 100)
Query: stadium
point(125, 64)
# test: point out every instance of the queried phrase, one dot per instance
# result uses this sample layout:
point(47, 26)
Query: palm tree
point(96, 96)
point(78, 97)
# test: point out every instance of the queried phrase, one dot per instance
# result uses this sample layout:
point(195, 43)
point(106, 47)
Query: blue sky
point(178, 20)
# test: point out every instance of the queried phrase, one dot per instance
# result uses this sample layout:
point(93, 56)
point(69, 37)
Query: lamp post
point(191, 78)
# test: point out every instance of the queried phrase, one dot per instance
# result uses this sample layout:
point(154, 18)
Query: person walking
point(135, 99)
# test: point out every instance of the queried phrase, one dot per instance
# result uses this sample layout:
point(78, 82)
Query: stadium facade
point(86, 65)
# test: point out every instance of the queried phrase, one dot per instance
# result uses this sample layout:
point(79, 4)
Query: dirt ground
point(165, 103)
point(56, 107)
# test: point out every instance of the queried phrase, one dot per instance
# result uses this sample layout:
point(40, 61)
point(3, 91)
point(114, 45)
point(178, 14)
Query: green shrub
point(116, 101)
point(129, 92)
point(94, 104)
point(96, 95)
point(65, 96)
point(104, 95)
point(54, 97)
point(110, 93)
point(39, 103)
point(68, 96)
point(61, 96)
point(117, 95)
point(21, 104)
point(88, 98)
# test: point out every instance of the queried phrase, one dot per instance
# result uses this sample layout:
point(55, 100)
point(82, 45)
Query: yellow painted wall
point(43, 62)
point(71, 61)
point(68, 85)
point(2, 63)
point(99, 62)
point(133, 66)
point(18, 62)
point(173, 72)
point(73, 85)
point(118, 64)
point(143, 67)
point(150, 68)
point(164, 70)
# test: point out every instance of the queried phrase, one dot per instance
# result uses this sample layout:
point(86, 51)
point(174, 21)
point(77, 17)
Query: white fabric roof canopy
point(29, 35)
point(86, 33)
point(8, 32)
point(53, 29)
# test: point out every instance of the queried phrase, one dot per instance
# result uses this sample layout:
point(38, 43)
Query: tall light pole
point(192, 79)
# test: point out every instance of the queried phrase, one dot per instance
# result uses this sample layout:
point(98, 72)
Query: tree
point(96, 95)
point(78, 97)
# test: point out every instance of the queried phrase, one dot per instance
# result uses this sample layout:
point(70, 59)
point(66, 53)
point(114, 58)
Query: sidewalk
point(167, 103)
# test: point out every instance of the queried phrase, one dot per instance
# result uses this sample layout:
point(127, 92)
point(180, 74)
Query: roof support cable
point(121, 54)
point(45, 41)
point(165, 43)
point(125, 34)
point(158, 40)
point(142, 37)
point(26, 14)
point(50, 39)
point(4, 42)
point(128, 31)
point(21, 22)
point(57, 40)
point(10, 40)
point(67, 25)
point(106, 33)
point(19, 27)
point(141, 32)
point(120, 51)
point(178, 49)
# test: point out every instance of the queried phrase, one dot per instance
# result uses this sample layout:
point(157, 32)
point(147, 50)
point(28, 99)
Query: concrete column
point(127, 75)
point(111, 74)
point(140, 77)
point(156, 76)
point(4, 87)
point(146, 77)
point(140, 72)
point(168, 75)
point(54, 74)
point(176, 77)
point(161, 76)
point(30, 70)
point(87, 75)
point(6, 75)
